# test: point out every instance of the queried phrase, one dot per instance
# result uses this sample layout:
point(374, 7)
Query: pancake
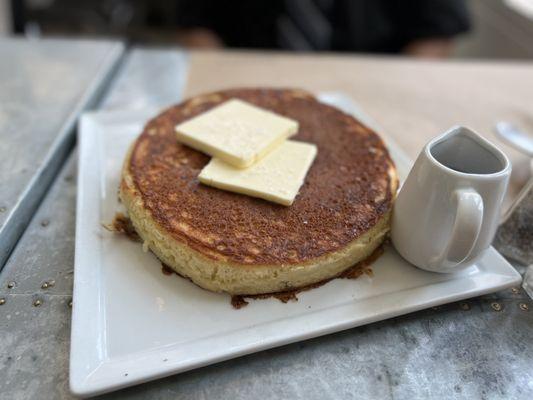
point(228, 242)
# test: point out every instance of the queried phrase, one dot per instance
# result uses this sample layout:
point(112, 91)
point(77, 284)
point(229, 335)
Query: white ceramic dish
point(131, 323)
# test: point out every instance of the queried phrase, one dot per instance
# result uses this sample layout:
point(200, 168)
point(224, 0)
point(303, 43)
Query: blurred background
point(422, 28)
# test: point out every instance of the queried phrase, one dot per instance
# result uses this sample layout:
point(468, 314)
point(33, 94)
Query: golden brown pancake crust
point(346, 191)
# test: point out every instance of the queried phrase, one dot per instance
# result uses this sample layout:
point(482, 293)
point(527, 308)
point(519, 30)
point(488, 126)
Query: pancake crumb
point(166, 270)
point(363, 267)
point(122, 224)
point(285, 297)
point(238, 302)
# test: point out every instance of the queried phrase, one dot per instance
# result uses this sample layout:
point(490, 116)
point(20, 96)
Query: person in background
point(416, 27)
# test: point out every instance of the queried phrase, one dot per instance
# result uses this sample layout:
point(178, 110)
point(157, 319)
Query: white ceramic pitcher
point(448, 209)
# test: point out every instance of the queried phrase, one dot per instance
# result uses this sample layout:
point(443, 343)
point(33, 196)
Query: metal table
point(44, 85)
point(481, 348)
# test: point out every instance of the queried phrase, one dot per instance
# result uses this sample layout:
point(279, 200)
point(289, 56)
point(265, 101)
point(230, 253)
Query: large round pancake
point(229, 242)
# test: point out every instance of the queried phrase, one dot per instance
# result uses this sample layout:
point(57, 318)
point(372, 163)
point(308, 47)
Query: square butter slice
point(237, 132)
point(277, 177)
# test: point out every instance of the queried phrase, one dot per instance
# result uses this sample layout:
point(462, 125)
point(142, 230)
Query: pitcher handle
point(466, 228)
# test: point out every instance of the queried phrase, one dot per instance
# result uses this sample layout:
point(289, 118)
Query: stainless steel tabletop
point(44, 85)
point(481, 348)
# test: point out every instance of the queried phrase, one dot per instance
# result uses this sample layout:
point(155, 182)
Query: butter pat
point(236, 132)
point(277, 177)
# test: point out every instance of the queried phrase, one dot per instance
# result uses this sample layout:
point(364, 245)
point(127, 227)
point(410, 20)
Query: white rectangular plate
point(131, 323)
